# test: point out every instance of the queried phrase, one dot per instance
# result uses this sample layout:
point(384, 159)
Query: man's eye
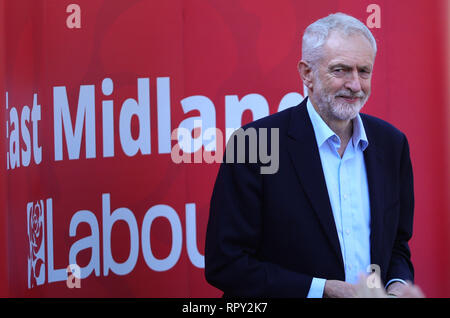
point(364, 73)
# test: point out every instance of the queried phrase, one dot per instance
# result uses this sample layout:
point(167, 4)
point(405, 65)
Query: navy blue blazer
point(268, 235)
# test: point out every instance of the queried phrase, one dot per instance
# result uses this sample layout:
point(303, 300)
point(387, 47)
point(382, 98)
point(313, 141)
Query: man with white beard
point(342, 201)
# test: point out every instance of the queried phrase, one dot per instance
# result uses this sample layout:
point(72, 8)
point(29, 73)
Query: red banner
point(94, 97)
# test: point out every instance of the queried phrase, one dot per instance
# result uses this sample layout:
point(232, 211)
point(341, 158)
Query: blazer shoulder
point(380, 128)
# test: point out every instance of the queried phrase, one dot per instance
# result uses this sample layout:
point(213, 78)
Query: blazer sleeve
point(233, 239)
point(400, 265)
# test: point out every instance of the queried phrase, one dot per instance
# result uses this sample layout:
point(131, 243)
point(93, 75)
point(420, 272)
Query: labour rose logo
point(36, 254)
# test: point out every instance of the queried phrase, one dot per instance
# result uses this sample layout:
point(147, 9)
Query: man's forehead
point(348, 49)
point(342, 62)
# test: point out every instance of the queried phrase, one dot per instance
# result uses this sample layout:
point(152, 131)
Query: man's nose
point(352, 83)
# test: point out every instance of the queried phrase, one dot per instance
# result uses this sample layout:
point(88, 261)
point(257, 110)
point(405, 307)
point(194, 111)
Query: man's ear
point(306, 73)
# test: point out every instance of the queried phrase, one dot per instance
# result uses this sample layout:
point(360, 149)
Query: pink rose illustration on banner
point(36, 256)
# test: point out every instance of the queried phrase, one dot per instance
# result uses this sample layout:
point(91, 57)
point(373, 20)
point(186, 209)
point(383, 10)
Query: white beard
point(331, 107)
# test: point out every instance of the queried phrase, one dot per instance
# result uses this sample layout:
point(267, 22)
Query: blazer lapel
point(373, 157)
point(302, 148)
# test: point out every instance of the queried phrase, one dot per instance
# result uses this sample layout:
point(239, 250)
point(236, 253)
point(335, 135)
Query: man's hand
point(370, 287)
point(400, 290)
point(338, 289)
point(396, 289)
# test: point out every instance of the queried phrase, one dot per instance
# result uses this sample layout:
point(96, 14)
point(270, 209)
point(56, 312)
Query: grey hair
point(317, 33)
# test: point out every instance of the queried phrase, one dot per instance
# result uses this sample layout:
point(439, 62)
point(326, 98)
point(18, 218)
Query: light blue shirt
point(348, 191)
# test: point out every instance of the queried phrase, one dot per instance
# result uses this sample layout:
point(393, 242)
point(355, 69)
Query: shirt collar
point(323, 132)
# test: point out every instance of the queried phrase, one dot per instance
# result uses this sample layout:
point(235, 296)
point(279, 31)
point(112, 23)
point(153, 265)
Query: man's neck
point(342, 128)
